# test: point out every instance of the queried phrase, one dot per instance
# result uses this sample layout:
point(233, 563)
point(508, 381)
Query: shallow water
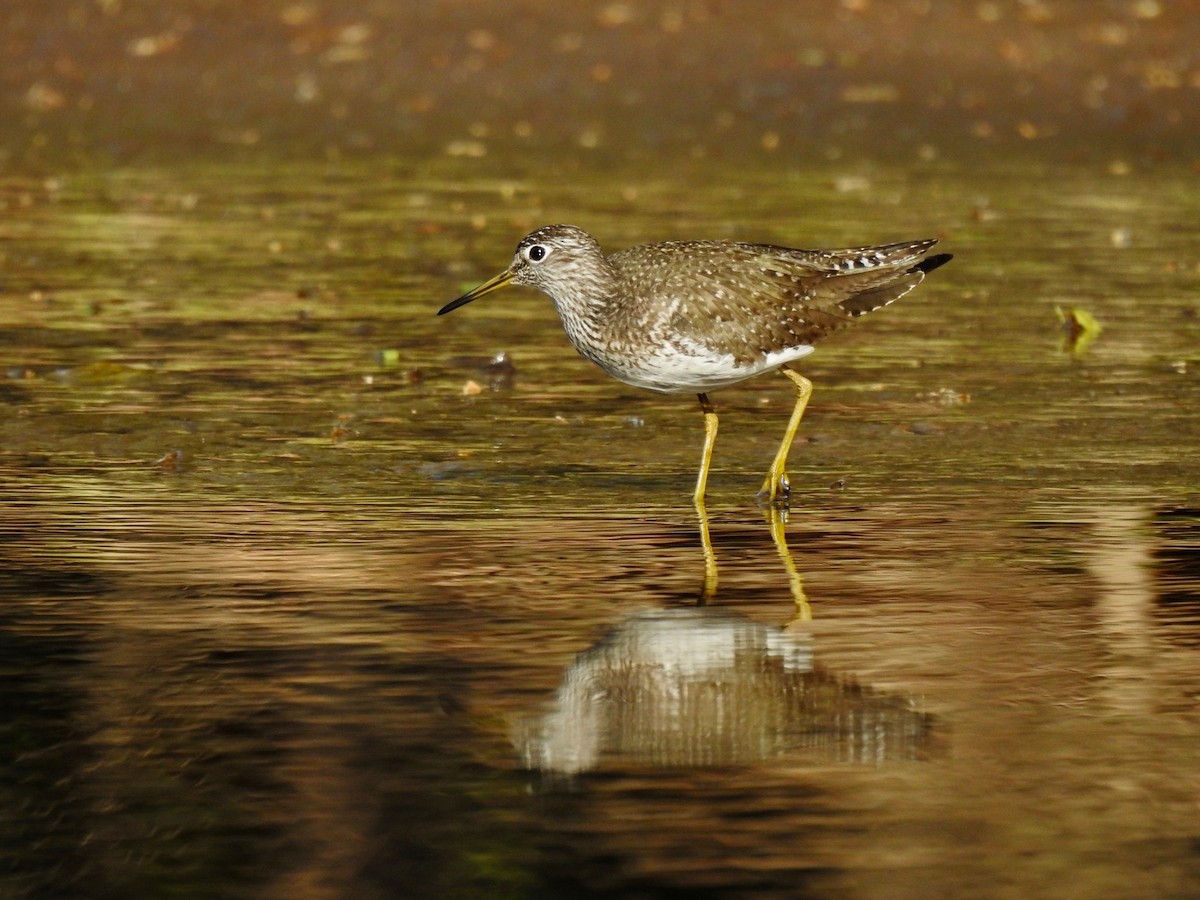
point(304, 594)
point(288, 609)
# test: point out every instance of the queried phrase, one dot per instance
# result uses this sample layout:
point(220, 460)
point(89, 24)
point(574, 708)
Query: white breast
point(685, 367)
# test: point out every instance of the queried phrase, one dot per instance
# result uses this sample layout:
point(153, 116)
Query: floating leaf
point(1079, 328)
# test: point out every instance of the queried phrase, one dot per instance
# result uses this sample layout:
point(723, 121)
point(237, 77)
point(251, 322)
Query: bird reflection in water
point(705, 686)
point(777, 522)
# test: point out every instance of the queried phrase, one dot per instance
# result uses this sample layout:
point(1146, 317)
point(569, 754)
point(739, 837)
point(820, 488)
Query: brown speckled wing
point(753, 299)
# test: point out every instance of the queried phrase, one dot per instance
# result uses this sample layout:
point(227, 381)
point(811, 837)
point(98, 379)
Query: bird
point(699, 315)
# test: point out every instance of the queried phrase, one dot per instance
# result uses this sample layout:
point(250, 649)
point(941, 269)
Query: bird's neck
point(584, 318)
point(587, 305)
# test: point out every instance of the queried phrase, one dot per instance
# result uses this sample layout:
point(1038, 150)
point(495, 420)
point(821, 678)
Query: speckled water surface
point(308, 592)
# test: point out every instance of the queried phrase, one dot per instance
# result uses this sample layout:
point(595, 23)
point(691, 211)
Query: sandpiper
point(694, 316)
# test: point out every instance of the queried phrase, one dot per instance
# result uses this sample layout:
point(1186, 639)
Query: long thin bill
point(487, 287)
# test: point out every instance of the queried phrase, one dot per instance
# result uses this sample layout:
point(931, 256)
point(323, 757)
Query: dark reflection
point(706, 687)
point(1176, 570)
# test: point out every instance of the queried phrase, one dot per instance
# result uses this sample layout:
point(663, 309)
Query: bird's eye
point(536, 253)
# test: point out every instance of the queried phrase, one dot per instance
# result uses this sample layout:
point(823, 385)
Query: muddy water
point(303, 594)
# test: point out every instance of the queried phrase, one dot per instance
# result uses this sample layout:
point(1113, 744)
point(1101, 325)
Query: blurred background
point(541, 88)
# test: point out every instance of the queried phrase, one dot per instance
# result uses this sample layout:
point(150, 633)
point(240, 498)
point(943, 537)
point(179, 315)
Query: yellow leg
point(777, 518)
point(710, 438)
point(710, 557)
point(775, 488)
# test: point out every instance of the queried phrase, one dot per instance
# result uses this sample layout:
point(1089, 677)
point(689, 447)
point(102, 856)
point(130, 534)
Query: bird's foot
point(775, 492)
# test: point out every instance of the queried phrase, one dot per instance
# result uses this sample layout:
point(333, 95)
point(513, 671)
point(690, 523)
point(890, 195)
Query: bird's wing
point(750, 299)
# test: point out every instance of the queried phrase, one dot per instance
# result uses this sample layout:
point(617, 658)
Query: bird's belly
point(691, 369)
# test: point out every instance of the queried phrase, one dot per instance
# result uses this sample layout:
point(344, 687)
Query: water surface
point(289, 607)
